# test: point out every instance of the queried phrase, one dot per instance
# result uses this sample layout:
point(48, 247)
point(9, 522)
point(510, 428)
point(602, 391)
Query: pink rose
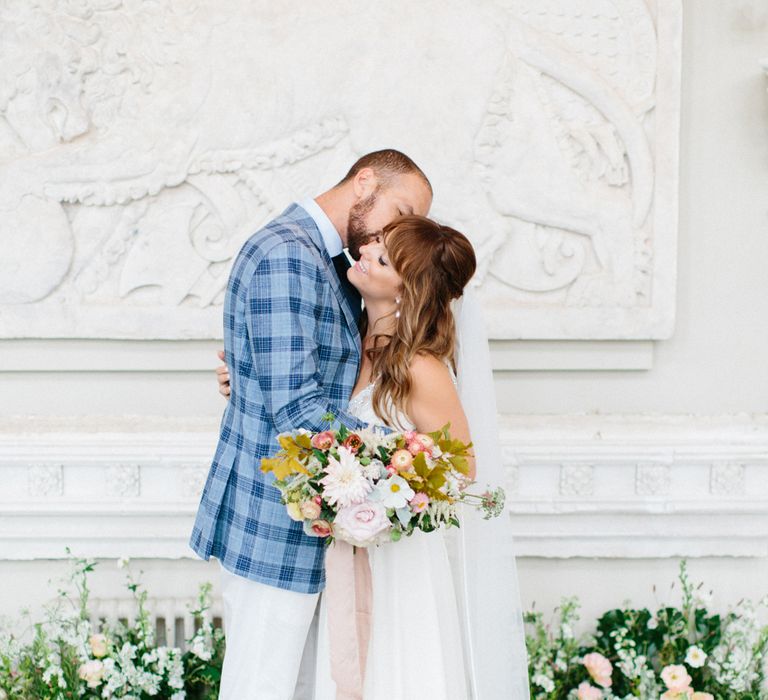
point(323, 441)
point(320, 528)
point(419, 502)
point(676, 678)
point(684, 694)
point(361, 524)
point(310, 510)
point(401, 460)
point(390, 469)
point(414, 447)
point(703, 696)
point(588, 692)
point(421, 443)
point(599, 668)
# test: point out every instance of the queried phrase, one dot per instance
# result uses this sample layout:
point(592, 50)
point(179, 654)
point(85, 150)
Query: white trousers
point(271, 641)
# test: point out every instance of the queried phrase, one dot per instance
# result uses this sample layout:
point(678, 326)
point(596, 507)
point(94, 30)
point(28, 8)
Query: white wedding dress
point(415, 650)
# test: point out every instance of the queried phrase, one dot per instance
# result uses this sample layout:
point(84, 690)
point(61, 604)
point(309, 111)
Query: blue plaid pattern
point(293, 351)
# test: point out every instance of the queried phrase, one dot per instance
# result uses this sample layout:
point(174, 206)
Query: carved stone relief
point(652, 480)
point(576, 480)
point(140, 144)
point(45, 480)
point(122, 480)
point(727, 479)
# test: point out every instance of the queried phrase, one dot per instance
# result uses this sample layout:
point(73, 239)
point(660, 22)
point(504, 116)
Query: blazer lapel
point(308, 224)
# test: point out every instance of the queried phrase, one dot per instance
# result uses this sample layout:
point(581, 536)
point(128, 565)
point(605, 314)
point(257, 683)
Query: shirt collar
point(328, 231)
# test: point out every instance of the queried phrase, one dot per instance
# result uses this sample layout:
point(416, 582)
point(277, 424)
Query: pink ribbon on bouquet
point(349, 596)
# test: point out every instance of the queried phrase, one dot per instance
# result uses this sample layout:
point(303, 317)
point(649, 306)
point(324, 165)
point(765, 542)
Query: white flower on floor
point(695, 657)
point(344, 482)
point(544, 682)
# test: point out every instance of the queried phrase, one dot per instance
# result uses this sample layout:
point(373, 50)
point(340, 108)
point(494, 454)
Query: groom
point(293, 352)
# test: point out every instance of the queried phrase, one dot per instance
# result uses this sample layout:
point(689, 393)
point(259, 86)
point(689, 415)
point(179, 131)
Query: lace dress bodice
point(361, 406)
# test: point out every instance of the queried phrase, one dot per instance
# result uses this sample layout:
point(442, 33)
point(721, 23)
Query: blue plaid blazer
point(293, 352)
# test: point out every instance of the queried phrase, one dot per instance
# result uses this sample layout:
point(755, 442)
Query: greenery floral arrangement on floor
point(66, 657)
point(681, 653)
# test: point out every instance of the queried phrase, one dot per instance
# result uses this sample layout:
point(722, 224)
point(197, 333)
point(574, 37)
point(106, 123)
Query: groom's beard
point(358, 233)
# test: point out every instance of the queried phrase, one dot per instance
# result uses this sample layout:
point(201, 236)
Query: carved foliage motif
point(45, 480)
point(122, 480)
point(652, 480)
point(576, 480)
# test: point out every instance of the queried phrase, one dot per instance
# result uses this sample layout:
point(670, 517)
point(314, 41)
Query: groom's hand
point(222, 376)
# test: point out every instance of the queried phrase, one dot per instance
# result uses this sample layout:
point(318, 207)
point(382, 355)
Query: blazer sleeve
point(282, 309)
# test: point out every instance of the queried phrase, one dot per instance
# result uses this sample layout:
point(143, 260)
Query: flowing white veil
point(481, 551)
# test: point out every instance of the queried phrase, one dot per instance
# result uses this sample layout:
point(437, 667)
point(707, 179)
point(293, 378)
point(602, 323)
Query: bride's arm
point(434, 401)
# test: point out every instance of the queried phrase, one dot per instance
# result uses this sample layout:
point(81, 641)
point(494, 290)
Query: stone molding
point(578, 486)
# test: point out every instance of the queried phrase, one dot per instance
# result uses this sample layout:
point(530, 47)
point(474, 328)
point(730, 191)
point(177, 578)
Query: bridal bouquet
point(366, 487)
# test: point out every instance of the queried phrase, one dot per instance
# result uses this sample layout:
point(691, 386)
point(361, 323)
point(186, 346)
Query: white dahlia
point(344, 483)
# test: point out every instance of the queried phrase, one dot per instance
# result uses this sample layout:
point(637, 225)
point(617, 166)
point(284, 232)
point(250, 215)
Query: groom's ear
point(364, 183)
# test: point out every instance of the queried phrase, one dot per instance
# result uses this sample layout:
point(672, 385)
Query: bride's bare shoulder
point(429, 372)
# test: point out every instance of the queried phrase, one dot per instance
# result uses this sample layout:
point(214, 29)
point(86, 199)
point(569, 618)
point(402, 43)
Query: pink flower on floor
point(98, 643)
point(599, 668)
point(419, 502)
point(676, 678)
point(588, 692)
point(92, 672)
point(684, 694)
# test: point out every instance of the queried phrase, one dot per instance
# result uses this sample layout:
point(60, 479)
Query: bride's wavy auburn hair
point(435, 263)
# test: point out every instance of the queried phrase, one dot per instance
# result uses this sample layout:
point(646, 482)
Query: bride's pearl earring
point(397, 301)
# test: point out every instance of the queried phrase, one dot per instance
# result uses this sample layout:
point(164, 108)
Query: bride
point(445, 619)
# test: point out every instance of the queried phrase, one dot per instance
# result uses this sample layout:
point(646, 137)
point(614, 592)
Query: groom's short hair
point(387, 164)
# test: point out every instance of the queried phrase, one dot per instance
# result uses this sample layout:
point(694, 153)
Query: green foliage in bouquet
point(684, 653)
point(66, 657)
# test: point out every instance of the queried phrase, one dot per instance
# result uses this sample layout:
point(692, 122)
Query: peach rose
point(310, 510)
point(98, 643)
